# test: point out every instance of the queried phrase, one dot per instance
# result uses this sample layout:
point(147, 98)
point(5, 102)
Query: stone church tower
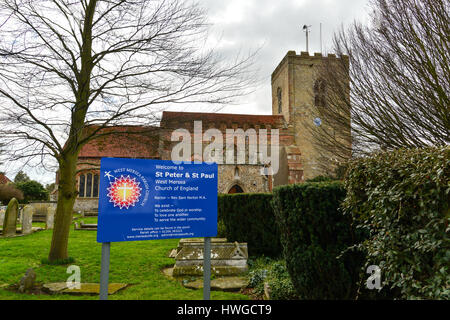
point(297, 92)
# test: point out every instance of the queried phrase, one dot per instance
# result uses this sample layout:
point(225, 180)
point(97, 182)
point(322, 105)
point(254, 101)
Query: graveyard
point(250, 228)
point(258, 171)
point(139, 264)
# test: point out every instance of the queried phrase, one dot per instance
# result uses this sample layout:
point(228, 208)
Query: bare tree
point(69, 65)
point(398, 76)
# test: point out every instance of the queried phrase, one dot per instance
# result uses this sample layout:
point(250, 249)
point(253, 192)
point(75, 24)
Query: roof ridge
point(223, 113)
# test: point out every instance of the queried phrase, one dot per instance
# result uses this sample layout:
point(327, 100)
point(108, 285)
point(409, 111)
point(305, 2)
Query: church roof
point(3, 179)
point(169, 117)
point(143, 141)
point(124, 142)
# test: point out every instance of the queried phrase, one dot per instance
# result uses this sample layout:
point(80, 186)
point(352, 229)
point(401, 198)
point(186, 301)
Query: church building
point(296, 93)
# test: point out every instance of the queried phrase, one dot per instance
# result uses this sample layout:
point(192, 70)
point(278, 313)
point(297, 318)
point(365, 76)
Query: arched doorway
point(236, 189)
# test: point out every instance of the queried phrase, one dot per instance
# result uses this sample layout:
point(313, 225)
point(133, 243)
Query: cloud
point(277, 27)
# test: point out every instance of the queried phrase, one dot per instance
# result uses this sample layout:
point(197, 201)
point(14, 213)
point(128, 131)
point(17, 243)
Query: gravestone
point(2, 217)
point(9, 225)
point(27, 281)
point(49, 221)
point(227, 259)
point(27, 219)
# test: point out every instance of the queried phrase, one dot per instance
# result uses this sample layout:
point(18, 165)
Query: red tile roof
point(273, 120)
point(125, 142)
point(143, 142)
point(4, 179)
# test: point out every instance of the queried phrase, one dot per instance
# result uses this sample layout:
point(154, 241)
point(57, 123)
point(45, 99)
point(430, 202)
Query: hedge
point(248, 217)
point(401, 199)
point(314, 232)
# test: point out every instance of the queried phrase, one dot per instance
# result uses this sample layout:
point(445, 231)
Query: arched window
point(236, 173)
point(88, 185)
point(95, 186)
point(280, 106)
point(82, 185)
point(320, 97)
point(236, 189)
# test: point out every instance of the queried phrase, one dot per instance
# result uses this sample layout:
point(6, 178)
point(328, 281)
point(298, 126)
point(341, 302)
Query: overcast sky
point(275, 26)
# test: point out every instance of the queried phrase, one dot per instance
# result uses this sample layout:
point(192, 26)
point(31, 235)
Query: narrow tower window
point(320, 99)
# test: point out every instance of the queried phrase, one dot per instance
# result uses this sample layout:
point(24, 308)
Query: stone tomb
point(227, 259)
point(40, 210)
point(90, 213)
point(184, 241)
point(85, 288)
point(85, 226)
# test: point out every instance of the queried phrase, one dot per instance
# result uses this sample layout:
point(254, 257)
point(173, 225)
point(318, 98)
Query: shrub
point(274, 273)
point(280, 283)
point(248, 217)
point(401, 199)
point(314, 232)
point(221, 232)
point(256, 280)
point(9, 191)
point(33, 190)
point(320, 179)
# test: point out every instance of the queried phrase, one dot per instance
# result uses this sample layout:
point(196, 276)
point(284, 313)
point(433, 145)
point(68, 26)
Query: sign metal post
point(104, 272)
point(207, 269)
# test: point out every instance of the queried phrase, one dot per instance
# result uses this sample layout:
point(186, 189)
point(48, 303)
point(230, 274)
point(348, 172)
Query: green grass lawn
point(138, 263)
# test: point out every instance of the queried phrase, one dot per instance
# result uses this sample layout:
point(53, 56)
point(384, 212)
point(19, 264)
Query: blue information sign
point(156, 199)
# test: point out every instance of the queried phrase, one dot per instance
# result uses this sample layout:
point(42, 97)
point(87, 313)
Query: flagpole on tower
point(321, 51)
point(306, 29)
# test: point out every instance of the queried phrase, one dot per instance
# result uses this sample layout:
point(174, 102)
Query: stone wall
point(85, 204)
point(40, 208)
point(248, 177)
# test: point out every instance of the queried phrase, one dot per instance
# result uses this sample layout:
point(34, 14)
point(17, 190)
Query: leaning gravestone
point(50, 217)
point(27, 219)
point(9, 225)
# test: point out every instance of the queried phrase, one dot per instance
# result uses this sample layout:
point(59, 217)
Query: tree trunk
point(67, 194)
